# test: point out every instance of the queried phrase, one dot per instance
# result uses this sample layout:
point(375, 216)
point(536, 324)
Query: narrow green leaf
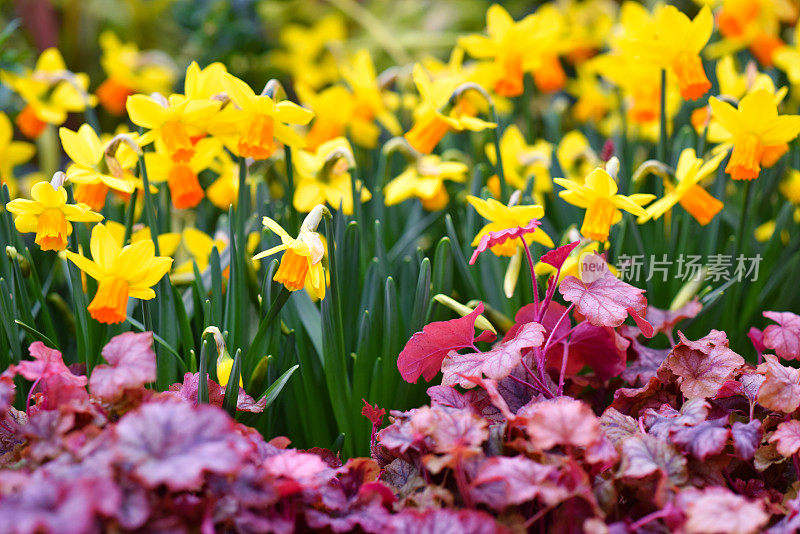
point(276, 387)
point(36, 334)
point(231, 400)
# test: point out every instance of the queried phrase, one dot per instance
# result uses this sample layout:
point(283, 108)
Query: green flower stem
point(662, 138)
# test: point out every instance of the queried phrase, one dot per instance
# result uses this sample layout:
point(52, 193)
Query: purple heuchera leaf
point(605, 301)
point(174, 443)
point(599, 347)
point(425, 351)
point(703, 440)
point(498, 238)
point(496, 363)
point(665, 320)
point(505, 481)
point(746, 438)
point(132, 365)
point(784, 337)
point(558, 256)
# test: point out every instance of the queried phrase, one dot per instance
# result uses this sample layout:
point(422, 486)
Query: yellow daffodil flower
point(224, 191)
point(521, 162)
point(12, 153)
point(324, 176)
point(424, 179)
point(176, 121)
point(306, 53)
point(206, 83)
point(790, 187)
point(760, 135)
point(370, 100)
point(502, 217)
point(690, 172)
point(94, 170)
point(575, 156)
point(181, 177)
point(129, 71)
point(733, 84)
point(517, 47)
point(262, 120)
point(602, 203)
point(593, 100)
point(787, 58)
point(121, 272)
point(431, 124)
point(50, 92)
point(301, 264)
point(167, 243)
point(753, 24)
point(676, 44)
point(49, 215)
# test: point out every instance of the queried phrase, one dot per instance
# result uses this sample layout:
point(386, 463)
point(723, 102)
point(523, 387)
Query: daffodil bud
point(24, 264)
point(655, 167)
point(462, 309)
point(58, 179)
point(612, 166)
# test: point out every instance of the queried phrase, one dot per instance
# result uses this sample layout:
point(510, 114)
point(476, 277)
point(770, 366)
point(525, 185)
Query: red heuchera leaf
point(47, 363)
point(780, 390)
point(746, 438)
point(449, 429)
point(505, 481)
point(425, 351)
point(133, 364)
point(665, 320)
point(496, 363)
point(604, 301)
point(6, 393)
point(703, 440)
point(443, 520)
point(719, 510)
point(187, 391)
point(563, 421)
point(757, 339)
point(643, 455)
point(174, 443)
point(598, 347)
point(558, 256)
point(703, 365)
point(498, 238)
point(784, 337)
point(373, 413)
point(297, 471)
point(787, 438)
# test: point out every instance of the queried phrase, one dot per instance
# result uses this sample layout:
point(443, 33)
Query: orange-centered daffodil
point(49, 215)
point(301, 264)
point(121, 272)
point(760, 135)
point(262, 120)
point(598, 196)
point(688, 191)
point(502, 217)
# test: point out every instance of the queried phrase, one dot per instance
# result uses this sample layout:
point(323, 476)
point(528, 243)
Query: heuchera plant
point(572, 423)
